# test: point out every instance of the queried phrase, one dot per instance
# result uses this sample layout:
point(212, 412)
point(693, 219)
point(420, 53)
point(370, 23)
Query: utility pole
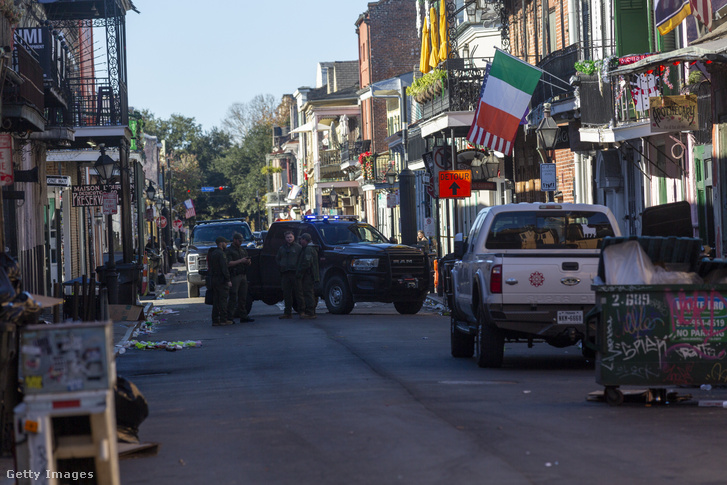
point(407, 189)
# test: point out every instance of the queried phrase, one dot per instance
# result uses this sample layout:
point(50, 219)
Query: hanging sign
point(548, 179)
point(455, 184)
point(110, 201)
point(673, 113)
point(6, 159)
point(91, 195)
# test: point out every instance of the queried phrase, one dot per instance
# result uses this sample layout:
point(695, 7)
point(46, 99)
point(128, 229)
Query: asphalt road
point(375, 398)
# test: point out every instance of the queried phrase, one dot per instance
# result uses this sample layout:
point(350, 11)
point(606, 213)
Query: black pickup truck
point(201, 240)
point(357, 263)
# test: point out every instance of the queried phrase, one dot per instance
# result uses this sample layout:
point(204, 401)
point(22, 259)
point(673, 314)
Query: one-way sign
point(455, 184)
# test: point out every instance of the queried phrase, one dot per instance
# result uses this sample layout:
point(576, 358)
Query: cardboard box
point(126, 313)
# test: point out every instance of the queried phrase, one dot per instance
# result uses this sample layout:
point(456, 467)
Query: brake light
point(496, 279)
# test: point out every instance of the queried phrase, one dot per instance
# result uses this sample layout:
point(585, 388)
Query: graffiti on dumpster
point(675, 337)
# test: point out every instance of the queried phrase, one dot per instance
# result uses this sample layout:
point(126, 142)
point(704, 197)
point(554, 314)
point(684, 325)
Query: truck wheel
point(463, 345)
point(489, 343)
point(408, 307)
point(192, 290)
point(248, 303)
point(338, 296)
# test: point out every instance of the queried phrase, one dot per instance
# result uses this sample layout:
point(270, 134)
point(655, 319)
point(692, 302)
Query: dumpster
point(664, 323)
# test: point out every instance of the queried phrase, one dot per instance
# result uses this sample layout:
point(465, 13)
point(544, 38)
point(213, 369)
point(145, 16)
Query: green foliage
point(422, 84)
point(586, 67)
point(269, 170)
point(695, 77)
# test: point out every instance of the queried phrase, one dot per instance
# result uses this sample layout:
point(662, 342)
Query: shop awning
point(709, 47)
point(308, 127)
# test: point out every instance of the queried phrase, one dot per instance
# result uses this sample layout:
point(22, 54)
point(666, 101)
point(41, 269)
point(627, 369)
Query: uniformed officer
point(237, 262)
point(220, 283)
point(287, 259)
point(308, 275)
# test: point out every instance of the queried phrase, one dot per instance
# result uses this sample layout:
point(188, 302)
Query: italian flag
point(506, 91)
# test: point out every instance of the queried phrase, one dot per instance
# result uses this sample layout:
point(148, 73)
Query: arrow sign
point(455, 184)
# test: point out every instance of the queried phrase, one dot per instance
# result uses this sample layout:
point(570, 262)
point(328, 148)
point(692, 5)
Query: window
point(552, 35)
point(548, 230)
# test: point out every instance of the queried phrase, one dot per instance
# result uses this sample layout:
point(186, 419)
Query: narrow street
point(375, 397)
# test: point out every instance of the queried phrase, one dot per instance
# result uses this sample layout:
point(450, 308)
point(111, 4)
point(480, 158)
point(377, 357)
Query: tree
point(242, 117)
point(178, 131)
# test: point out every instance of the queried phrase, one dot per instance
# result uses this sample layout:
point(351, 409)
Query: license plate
point(570, 317)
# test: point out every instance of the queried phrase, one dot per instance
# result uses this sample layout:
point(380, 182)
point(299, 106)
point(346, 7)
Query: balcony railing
point(96, 104)
point(27, 92)
point(330, 166)
point(26, 64)
point(350, 150)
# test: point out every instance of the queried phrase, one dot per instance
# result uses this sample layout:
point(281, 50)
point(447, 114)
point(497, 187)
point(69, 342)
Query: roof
point(710, 47)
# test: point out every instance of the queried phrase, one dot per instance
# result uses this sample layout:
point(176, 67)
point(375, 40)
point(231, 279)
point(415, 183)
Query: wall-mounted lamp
point(104, 166)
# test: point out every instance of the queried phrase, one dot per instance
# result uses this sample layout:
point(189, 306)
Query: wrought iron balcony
point(461, 91)
point(560, 64)
point(23, 97)
point(96, 104)
point(330, 166)
point(350, 150)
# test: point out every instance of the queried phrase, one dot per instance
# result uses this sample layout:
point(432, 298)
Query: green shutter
point(632, 32)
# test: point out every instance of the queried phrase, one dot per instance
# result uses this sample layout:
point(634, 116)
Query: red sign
point(110, 201)
point(6, 159)
point(455, 184)
point(177, 224)
point(162, 222)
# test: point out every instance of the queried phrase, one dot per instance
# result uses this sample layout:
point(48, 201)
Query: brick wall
point(529, 25)
point(388, 47)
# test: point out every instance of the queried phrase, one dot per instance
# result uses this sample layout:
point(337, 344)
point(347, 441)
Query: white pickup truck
point(524, 274)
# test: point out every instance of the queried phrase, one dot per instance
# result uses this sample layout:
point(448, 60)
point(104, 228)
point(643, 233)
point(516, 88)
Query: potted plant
point(428, 86)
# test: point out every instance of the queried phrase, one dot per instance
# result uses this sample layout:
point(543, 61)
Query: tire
point(588, 353)
point(613, 396)
point(463, 345)
point(192, 290)
point(408, 307)
point(489, 342)
point(248, 303)
point(338, 297)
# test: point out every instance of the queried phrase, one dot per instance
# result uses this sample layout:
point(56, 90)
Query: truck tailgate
point(549, 279)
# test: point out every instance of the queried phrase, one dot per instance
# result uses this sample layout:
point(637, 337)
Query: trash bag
point(131, 410)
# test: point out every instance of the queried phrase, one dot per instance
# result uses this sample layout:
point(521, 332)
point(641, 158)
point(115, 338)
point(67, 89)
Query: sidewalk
point(122, 332)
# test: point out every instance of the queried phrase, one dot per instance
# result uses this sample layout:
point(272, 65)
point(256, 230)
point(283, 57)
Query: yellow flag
point(443, 45)
point(424, 58)
point(434, 55)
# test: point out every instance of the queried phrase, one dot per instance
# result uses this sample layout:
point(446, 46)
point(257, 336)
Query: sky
point(197, 58)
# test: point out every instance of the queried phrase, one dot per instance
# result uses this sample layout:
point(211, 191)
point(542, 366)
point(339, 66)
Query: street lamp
point(547, 132)
point(390, 176)
point(105, 168)
point(150, 191)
